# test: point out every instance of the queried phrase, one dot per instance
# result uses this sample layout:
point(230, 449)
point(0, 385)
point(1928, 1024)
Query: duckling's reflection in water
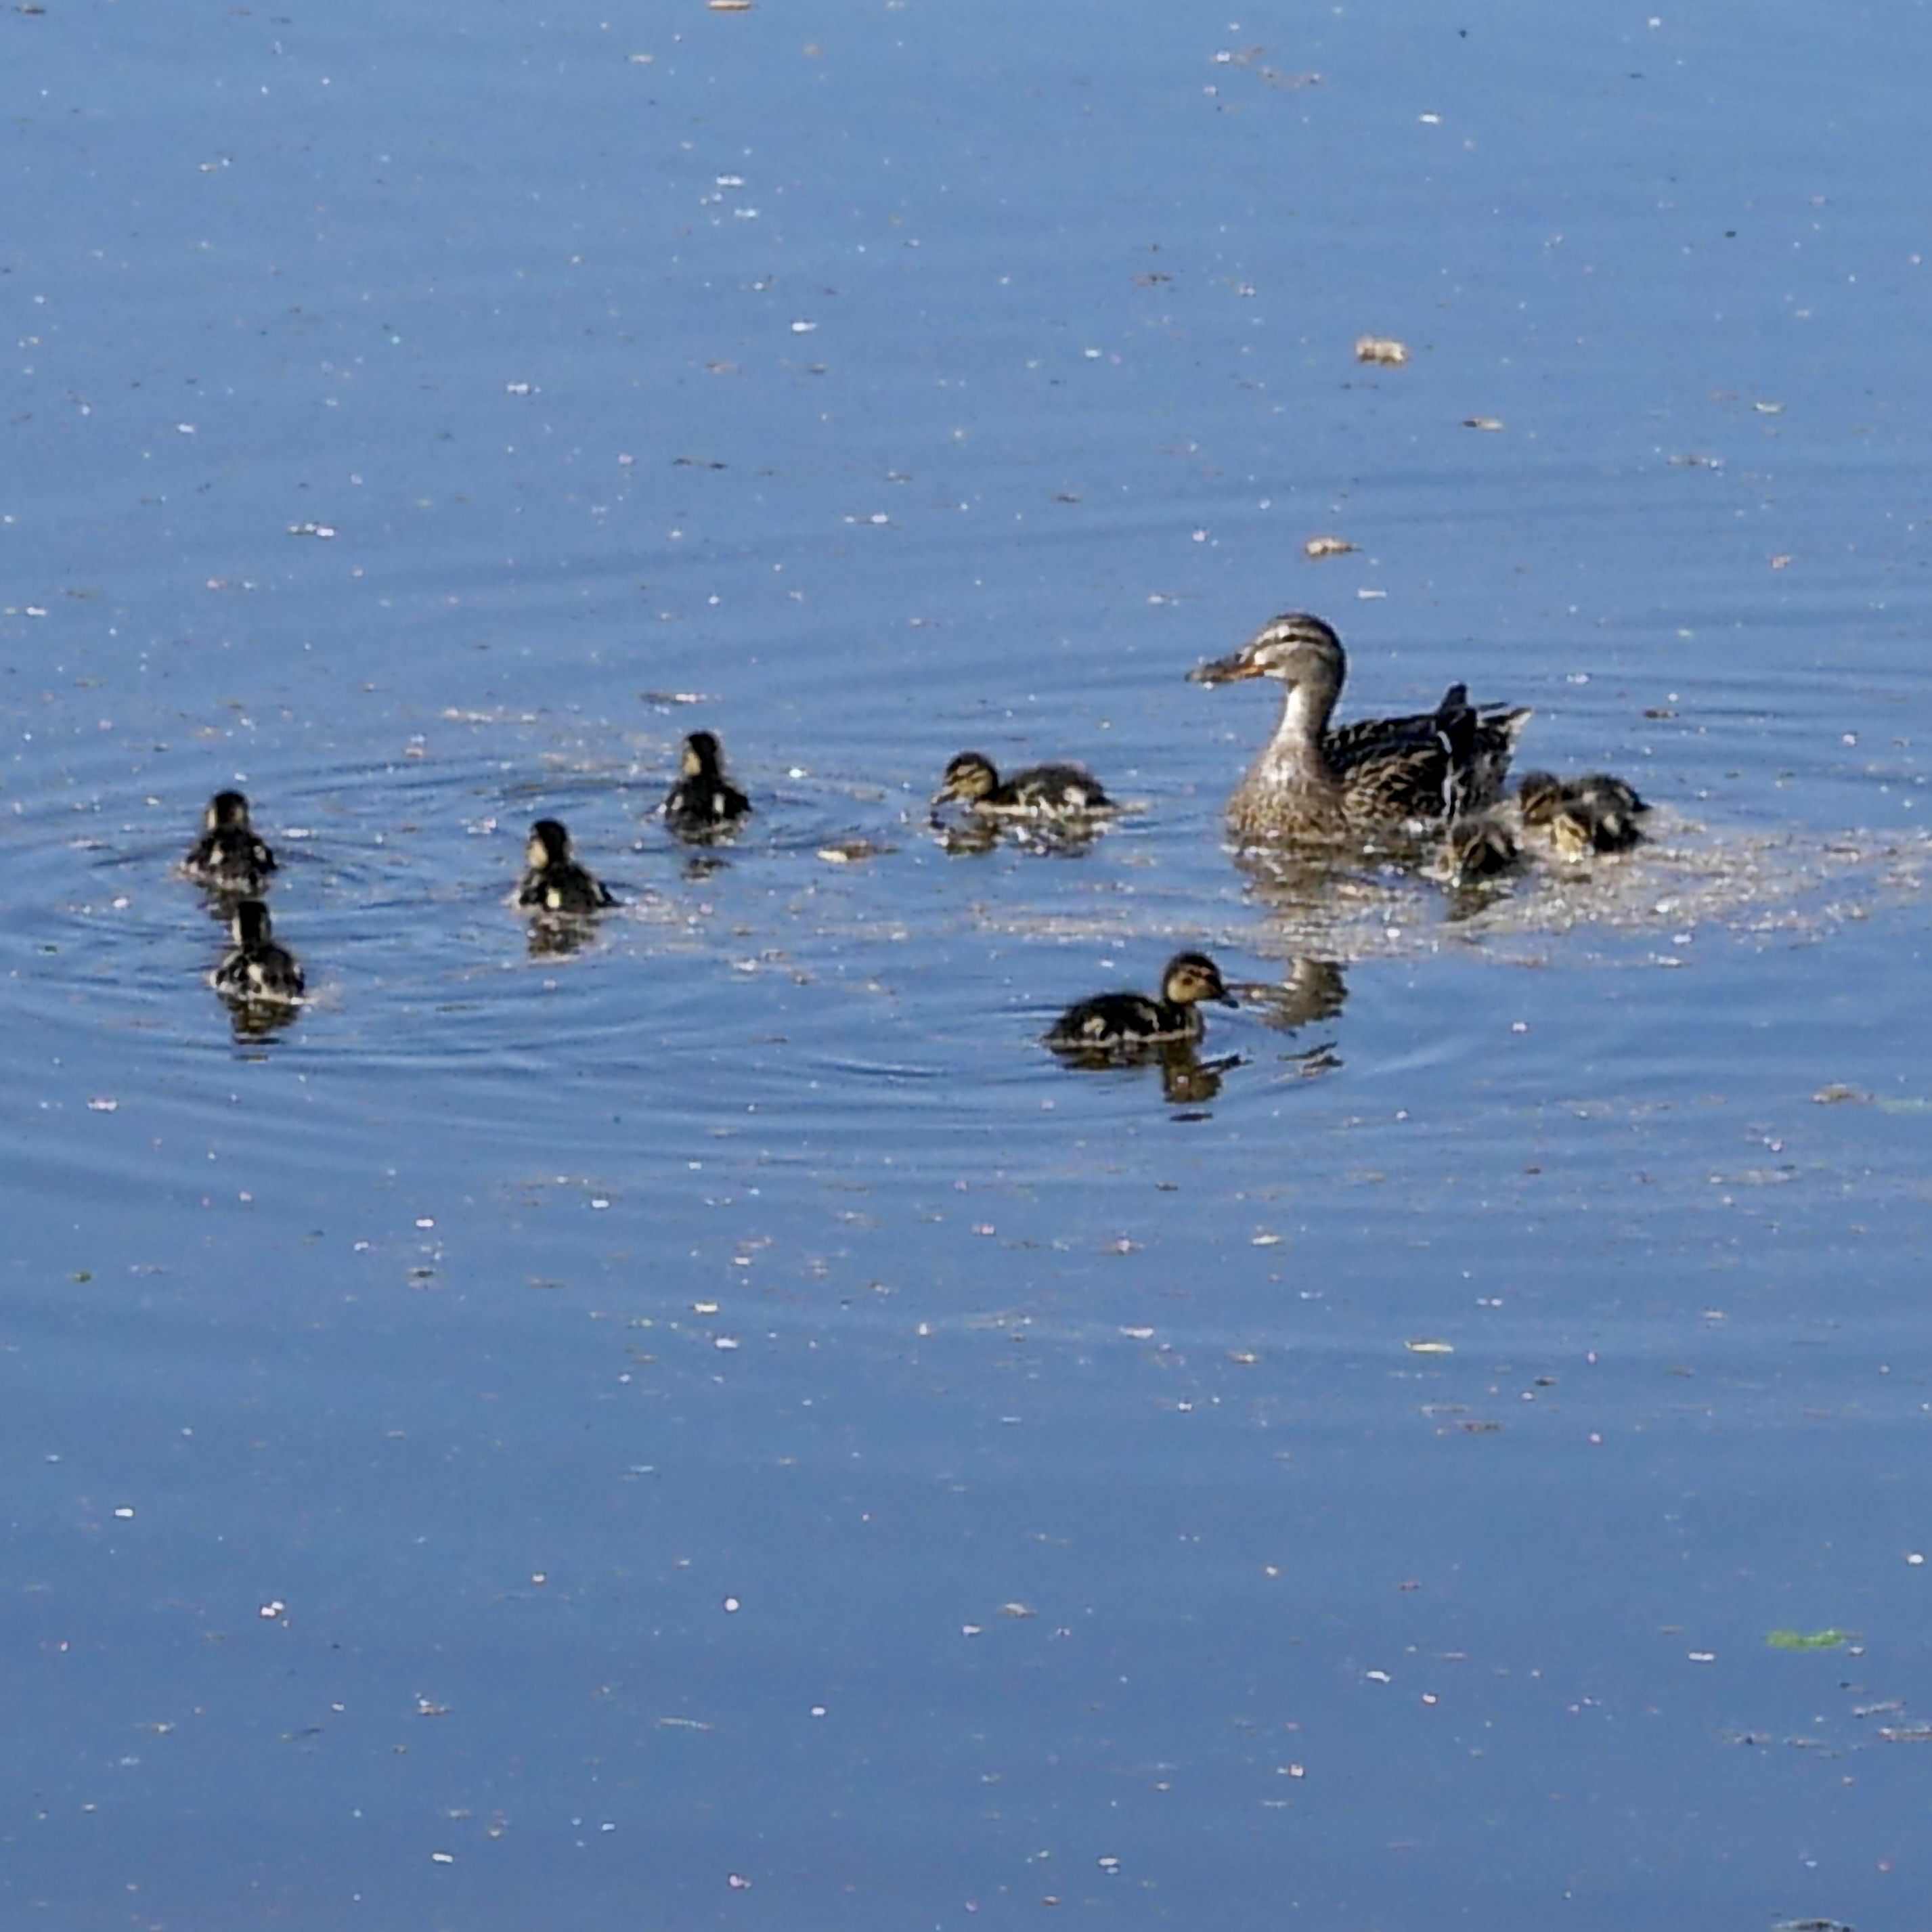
point(251, 1020)
point(1186, 1080)
point(557, 935)
point(972, 834)
point(1311, 990)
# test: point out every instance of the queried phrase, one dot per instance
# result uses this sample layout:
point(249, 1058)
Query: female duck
point(1595, 813)
point(703, 802)
point(555, 882)
point(256, 971)
point(1041, 791)
point(1378, 773)
point(1124, 1023)
point(228, 857)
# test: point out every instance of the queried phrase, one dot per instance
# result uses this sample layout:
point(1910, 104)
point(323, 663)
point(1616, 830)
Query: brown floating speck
point(1383, 348)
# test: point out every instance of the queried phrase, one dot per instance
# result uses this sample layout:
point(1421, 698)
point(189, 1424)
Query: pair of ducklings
point(231, 860)
point(701, 806)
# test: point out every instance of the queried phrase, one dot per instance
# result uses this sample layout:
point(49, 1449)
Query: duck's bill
point(1224, 671)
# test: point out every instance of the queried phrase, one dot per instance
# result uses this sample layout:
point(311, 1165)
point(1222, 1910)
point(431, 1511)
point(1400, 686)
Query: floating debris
point(1320, 547)
point(1823, 1640)
point(1491, 423)
point(1383, 348)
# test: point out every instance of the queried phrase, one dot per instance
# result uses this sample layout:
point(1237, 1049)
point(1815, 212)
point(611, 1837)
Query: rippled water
point(718, 1425)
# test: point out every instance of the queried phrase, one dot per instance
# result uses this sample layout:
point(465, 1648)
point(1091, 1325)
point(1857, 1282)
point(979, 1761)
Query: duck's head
point(702, 755)
point(1540, 795)
point(227, 812)
point(549, 845)
point(1190, 977)
point(1296, 648)
point(249, 923)
point(969, 776)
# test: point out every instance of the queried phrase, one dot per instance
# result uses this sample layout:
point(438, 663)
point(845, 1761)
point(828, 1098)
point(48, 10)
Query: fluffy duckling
point(228, 857)
point(1478, 848)
point(1122, 1023)
point(555, 882)
point(1595, 813)
point(1310, 782)
point(703, 802)
point(256, 969)
point(1041, 791)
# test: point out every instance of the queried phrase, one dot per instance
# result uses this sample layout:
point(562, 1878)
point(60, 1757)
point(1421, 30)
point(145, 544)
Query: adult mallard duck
point(228, 857)
point(1376, 774)
point(555, 882)
point(1041, 791)
point(1119, 1024)
point(1595, 813)
point(256, 969)
point(703, 802)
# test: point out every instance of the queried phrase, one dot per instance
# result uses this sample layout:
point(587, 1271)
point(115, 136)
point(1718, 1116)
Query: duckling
point(256, 969)
point(703, 802)
point(1595, 813)
point(228, 857)
point(1477, 848)
point(555, 882)
point(1311, 782)
point(1041, 791)
point(1123, 1024)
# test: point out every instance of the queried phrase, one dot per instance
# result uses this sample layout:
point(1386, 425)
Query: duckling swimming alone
point(1121, 1023)
point(703, 802)
point(1041, 791)
point(555, 882)
point(1311, 782)
point(256, 969)
point(1595, 813)
point(228, 857)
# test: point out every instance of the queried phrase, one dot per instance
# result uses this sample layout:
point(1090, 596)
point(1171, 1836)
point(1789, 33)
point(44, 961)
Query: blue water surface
point(715, 1426)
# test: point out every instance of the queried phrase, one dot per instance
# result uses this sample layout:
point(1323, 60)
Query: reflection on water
point(258, 1020)
point(1186, 1078)
point(1310, 990)
point(971, 834)
point(557, 935)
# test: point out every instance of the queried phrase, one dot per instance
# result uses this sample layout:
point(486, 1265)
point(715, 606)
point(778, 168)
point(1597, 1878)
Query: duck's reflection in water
point(968, 836)
point(557, 935)
point(1186, 1079)
point(255, 1021)
point(1310, 990)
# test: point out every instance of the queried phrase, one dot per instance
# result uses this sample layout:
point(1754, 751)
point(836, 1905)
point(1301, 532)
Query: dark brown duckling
point(555, 882)
point(1123, 1024)
point(1041, 791)
point(256, 971)
point(228, 857)
point(704, 803)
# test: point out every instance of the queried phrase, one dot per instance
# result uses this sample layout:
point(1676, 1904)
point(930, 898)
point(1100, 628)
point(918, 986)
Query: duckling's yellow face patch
point(534, 854)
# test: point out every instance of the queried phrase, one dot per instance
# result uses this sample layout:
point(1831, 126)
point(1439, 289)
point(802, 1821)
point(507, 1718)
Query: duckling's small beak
point(1225, 998)
point(940, 796)
point(1225, 670)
